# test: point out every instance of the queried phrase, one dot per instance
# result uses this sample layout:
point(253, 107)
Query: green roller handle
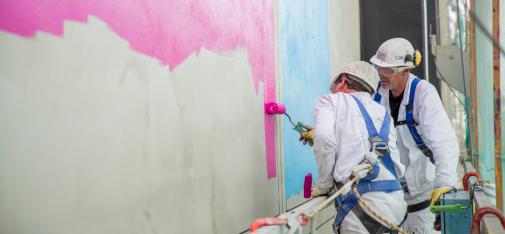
point(301, 127)
point(447, 208)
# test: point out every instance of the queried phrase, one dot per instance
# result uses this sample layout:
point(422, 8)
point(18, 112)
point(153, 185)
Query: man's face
point(390, 78)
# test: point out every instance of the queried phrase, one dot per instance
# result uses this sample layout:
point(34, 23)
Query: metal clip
point(379, 146)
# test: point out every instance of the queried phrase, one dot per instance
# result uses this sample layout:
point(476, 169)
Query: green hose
point(447, 208)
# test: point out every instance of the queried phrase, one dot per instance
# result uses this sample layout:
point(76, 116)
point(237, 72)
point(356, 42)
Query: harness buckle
point(405, 186)
point(425, 149)
point(379, 145)
point(427, 152)
point(410, 107)
point(340, 199)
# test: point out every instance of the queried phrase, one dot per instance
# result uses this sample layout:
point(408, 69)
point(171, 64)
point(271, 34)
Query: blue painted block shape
point(457, 222)
point(305, 73)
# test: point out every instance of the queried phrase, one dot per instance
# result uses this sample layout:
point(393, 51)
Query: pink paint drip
point(169, 30)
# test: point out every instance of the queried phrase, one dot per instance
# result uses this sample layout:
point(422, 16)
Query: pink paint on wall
point(169, 30)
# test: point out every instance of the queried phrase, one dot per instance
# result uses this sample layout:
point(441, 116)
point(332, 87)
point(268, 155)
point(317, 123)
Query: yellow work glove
point(317, 191)
point(308, 137)
point(437, 192)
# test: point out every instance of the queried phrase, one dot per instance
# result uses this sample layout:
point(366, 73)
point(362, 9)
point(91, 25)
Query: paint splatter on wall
point(169, 31)
point(305, 63)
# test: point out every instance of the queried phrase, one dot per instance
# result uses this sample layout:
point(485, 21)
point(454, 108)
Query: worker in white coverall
point(426, 140)
point(342, 141)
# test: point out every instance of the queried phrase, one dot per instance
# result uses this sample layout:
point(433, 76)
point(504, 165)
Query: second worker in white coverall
point(426, 140)
point(350, 126)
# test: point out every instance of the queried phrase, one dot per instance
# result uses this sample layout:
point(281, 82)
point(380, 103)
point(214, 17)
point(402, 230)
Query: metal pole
point(437, 21)
point(425, 40)
point(473, 93)
point(278, 126)
point(497, 106)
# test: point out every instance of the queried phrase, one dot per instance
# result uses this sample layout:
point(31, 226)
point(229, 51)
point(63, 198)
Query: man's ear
point(406, 72)
point(343, 79)
point(340, 84)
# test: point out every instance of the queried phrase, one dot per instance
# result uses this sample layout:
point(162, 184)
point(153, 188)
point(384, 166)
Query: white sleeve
point(325, 141)
point(438, 134)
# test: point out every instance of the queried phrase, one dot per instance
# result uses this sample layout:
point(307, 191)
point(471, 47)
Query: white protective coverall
point(341, 141)
point(436, 131)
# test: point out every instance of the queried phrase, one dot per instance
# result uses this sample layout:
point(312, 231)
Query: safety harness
point(409, 120)
point(348, 201)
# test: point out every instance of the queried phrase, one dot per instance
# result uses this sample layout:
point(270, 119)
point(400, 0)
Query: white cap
point(396, 52)
point(364, 73)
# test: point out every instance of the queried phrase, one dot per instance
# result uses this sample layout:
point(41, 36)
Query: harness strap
point(379, 140)
point(372, 132)
point(401, 122)
point(370, 186)
point(379, 186)
point(418, 206)
point(371, 225)
point(388, 163)
point(384, 134)
point(377, 97)
point(344, 207)
point(386, 126)
point(346, 202)
point(409, 118)
point(373, 175)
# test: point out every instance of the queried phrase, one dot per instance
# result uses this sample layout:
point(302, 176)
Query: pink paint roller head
point(274, 108)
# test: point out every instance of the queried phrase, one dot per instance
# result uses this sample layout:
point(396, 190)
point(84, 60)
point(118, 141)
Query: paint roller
point(274, 108)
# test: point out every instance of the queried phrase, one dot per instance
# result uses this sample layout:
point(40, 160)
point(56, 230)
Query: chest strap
point(411, 124)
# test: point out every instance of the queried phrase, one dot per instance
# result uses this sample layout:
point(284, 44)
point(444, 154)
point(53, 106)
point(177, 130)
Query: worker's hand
point(437, 192)
point(317, 191)
point(372, 157)
point(308, 137)
point(361, 170)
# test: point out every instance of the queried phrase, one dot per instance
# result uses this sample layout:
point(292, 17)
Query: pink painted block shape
point(169, 30)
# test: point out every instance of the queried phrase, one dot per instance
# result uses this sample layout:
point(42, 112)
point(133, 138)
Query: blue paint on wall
point(305, 73)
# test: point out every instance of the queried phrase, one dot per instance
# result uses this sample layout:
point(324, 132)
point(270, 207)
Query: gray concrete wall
point(99, 136)
point(96, 138)
point(344, 29)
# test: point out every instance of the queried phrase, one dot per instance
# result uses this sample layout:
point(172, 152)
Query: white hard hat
point(362, 72)
point(396, 52)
